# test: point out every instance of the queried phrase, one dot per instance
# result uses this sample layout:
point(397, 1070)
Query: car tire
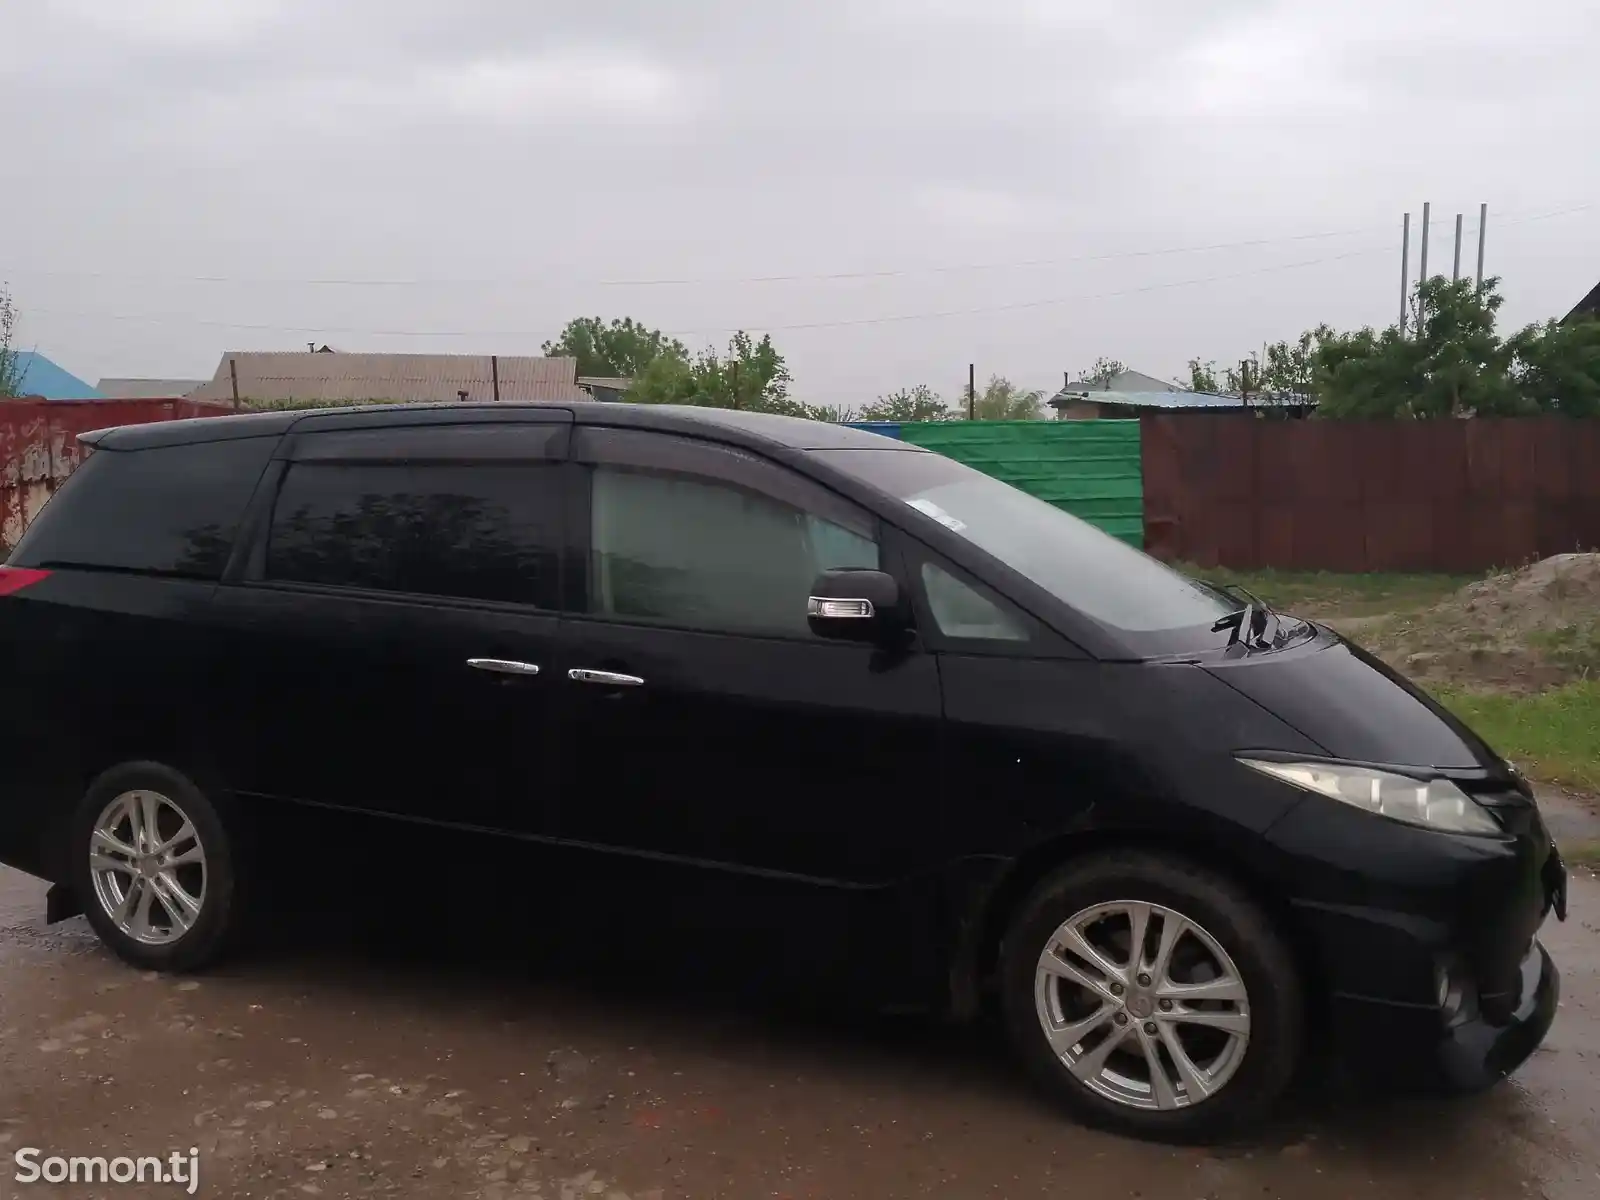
point(1051, 1016)
point(173, 903)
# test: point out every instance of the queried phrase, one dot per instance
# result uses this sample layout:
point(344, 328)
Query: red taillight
point(14, 579)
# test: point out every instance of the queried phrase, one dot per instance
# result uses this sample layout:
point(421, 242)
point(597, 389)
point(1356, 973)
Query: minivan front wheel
point(155, 868)
point(1153, 997)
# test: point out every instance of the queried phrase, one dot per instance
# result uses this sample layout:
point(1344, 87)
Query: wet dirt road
point(325, 1072)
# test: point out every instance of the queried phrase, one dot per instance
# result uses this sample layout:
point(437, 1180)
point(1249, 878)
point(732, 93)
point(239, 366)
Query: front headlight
point(1435, 804)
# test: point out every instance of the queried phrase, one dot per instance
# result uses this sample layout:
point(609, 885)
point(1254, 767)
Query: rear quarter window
point(164, 510)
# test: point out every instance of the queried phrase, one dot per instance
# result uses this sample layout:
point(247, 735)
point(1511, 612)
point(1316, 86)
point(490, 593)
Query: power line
point(688, 281)
point(892, 318)
point(879, 320)
point(694, 281)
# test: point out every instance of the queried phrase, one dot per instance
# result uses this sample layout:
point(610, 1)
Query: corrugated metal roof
point(617, 383)
point(1166, 399)
point(1123, 381)
point(398, 378)
point(146, 389)
point(1175, 400)
point(41, 377)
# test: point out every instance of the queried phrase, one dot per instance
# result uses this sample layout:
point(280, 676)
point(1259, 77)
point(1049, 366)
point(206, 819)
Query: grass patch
point(1554, 736)
point(1576, 646)
point(1330, 593)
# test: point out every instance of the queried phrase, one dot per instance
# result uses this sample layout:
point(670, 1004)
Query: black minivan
point(796, 677)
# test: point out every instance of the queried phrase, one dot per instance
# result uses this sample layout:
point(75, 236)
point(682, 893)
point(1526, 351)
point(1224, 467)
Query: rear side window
point(166, 510)
point(484, 531)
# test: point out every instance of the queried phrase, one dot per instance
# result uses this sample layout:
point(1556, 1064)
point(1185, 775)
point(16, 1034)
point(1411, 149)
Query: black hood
point(1356, 707)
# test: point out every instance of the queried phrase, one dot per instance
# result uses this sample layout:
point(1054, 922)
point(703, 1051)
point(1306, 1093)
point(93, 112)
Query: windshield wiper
point(1247, 625)
point(1237, 591)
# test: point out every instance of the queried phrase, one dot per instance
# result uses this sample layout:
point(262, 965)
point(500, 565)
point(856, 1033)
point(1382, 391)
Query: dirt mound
point(1528, 629)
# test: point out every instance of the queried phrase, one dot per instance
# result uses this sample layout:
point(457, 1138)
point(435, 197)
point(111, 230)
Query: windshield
point(1099, 575)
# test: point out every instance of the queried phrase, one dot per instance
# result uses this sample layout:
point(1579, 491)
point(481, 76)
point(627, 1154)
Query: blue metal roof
point(41, 377)
point(887, 428)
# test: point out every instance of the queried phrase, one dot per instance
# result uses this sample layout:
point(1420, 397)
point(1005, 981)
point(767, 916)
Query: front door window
point(694, 553)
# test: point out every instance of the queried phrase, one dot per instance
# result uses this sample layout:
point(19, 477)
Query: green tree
point(11, 370)
point(1453, 365)
point(835, 414)
point(757, 378)
point(919, 403)
point(1556, 367)
point(1202, 377)
point(621, 349)
point(1002, 400)
point(1103, 371)
point(751, 375)
point(1451, 362)
point(667, 379)
point(1290, 368)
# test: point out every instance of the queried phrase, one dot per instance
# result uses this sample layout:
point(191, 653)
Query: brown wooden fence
point(1443, 495)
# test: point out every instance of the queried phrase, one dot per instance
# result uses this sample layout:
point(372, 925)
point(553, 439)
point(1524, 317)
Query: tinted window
point(166, 510)
point(1102, 577)
point(480, 532)
point(704, 555)
point(961, 611)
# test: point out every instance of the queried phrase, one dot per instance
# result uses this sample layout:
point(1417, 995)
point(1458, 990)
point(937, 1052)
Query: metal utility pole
point(233, 376)
point(972, 391)
point(1405, 269)
point(1422, 274)
point(1483, 225)
point(1455, 269)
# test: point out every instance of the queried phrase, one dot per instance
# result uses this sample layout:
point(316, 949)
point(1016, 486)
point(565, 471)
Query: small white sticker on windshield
point(937, 513)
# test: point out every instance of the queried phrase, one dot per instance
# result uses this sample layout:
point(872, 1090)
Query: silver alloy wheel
point(148, 867)
point(1142, 1005)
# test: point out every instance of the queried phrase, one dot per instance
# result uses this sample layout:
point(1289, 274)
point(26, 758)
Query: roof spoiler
point(95, 436)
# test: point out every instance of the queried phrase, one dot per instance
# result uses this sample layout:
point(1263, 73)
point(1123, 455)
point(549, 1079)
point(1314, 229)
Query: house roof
point(114, 388)
point(1588, 306)
point(1123, 381)
point(397, 378)
point(617, 383)
point(1192, 400)
point(1135, 389)
point(41, 377)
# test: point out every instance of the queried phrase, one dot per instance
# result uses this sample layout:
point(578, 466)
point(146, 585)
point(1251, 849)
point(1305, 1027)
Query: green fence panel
point(1090, 468)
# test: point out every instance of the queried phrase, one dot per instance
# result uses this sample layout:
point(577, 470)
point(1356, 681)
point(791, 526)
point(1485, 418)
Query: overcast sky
point(1026, 184)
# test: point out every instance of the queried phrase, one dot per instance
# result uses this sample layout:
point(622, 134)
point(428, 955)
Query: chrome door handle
point(503, 666)
point(609, 678)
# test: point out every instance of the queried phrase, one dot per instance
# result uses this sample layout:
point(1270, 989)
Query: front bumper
point(1407, 1046)
point(1425, 944)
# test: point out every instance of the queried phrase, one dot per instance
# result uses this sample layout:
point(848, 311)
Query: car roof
point(772, 429)
point(754, 429)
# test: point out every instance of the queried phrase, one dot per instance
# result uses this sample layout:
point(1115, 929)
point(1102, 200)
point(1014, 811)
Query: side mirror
point(849, 605)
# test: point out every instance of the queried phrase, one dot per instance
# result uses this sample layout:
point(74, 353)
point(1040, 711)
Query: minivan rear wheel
point(154, 867)
point(1152, 997)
